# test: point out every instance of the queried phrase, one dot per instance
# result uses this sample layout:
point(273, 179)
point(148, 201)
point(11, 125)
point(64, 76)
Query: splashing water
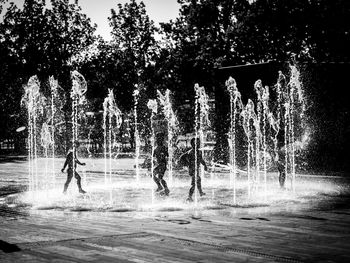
point(34, 103)
point(201, 121)
point(235, 106)
point(259, 91)
point(113, 115)
point(261, 124)
point(46, 141)
point(262, 116)
point(79, 88)
point(289, 96)
point(249, 126)
point(153, 106)
point(172, 124)
point(265, 101)
point(54, 96)
point(295, 90)
point(137, 136)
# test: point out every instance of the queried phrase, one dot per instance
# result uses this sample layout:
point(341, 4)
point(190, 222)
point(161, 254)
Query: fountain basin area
point(120, 220)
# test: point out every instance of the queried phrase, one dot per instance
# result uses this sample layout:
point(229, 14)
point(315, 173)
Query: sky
point(99, 10)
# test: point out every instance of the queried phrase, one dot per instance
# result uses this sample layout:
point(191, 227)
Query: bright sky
point(99, 10)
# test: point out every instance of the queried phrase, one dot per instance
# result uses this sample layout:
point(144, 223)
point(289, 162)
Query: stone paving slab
point(82, 237)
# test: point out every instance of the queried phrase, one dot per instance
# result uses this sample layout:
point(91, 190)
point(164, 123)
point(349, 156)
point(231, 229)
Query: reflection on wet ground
point(125, 195)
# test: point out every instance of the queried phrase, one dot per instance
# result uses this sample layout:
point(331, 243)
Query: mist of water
point(172, 124)
point(136, 135)
point(153, 106)
point(112, 120)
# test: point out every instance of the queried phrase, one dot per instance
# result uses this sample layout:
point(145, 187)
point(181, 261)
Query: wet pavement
point(124, 220)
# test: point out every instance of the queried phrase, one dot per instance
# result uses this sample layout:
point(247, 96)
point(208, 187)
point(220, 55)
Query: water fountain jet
point(201, 121)
point(236, 106)
point(172, 123)
point(112, 115)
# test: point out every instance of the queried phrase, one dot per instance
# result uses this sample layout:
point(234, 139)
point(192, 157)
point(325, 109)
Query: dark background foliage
point(206, 35)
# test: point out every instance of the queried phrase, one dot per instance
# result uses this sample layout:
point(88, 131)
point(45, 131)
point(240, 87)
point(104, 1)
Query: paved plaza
point(122, 221)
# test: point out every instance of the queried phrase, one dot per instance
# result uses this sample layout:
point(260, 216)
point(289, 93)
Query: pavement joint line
point(228, 249)
point(30, 245)
point(264, 255)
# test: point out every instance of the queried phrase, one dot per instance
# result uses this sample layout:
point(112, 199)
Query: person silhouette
point(72, 161)
point(160, 155)
point(189, 159)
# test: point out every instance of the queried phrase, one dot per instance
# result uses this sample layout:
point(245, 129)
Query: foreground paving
point(316, 233)
point(319, 236)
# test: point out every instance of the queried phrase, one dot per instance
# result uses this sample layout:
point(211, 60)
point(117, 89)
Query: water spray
point(153, 106)
point(137, 136)
point(236, 106)
point(172, 122)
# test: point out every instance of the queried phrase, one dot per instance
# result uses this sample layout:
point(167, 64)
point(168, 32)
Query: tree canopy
point(37, 40)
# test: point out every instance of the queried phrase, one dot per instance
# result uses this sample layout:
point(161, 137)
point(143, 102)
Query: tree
point(44, 40)
point(41, 41)
point(328, 30)
point(133, 34)
point(70, 32)
point(2, 2)
point(279, 30)
point(124, 62)
point(200, 39)
point(193, 46)
point(18, 41)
